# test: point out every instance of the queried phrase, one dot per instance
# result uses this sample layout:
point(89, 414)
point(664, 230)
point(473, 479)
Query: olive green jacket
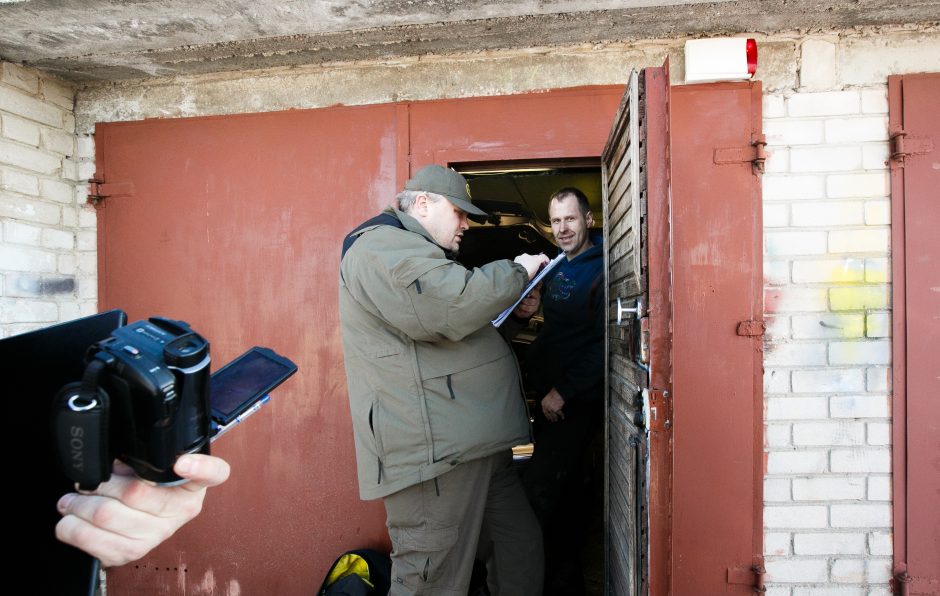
point(431, 382)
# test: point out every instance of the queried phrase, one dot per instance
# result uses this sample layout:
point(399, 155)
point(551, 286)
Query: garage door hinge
point(753, 154)
point(903, 146)
point(751, 328)
point(98, 190)
point(749, 576)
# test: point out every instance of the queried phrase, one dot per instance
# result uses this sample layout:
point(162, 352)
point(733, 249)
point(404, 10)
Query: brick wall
point(48, 244)
point(827, 489)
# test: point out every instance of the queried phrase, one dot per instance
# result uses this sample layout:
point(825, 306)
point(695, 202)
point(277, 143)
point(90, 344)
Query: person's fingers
point(121, 469)
point(161, 501)
point(202, 470)
point(110, 548)
point(124, 518)
point(125, 488)
point(113, 516)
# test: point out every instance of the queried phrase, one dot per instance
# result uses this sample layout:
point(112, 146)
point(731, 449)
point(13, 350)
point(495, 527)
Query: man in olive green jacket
point(434, 392)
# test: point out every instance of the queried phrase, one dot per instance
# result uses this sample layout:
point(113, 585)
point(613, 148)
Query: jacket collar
point(412, 225)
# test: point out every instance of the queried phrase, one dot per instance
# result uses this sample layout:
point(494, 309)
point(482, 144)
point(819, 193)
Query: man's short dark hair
point(570, 191)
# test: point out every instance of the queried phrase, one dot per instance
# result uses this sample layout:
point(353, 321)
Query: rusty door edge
point(757, 314)
point(101, 224)
point(899, 339)
point(660, 312)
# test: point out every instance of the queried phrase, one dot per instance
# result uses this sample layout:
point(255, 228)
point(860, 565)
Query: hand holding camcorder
point(145, 399)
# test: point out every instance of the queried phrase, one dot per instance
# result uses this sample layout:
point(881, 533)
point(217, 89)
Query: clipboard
point(535, 281)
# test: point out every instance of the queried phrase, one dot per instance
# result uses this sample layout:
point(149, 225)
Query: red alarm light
point(720, 59)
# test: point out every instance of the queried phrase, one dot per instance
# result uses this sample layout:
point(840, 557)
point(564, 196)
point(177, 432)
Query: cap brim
point(467, 206)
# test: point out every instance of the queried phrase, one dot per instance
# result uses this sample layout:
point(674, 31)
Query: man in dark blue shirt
point(566, 367)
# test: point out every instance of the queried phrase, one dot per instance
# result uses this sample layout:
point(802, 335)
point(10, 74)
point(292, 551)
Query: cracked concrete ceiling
point(104, 40)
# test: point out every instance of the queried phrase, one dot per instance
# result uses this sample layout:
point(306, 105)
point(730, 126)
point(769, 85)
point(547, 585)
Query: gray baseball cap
point(447, 183)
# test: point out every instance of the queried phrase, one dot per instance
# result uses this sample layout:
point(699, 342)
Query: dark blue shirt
point(568, 353)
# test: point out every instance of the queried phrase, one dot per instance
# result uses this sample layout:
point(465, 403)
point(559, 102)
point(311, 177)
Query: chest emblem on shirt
point(561, 287)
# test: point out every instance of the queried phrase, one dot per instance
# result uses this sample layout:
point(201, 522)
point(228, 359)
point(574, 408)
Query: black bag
point(362, 572)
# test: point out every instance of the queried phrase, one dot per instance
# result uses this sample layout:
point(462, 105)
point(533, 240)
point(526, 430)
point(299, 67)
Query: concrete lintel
point(514, 32)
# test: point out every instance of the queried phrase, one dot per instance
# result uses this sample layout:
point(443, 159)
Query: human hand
point(532, 263)
point(530, 304)
point(552, 405)
point(125, 518)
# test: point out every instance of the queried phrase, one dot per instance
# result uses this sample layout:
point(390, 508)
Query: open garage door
point(684, 401)
point(626, 236)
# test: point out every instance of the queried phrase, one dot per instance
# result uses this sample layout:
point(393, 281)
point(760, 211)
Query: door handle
point(637, 311)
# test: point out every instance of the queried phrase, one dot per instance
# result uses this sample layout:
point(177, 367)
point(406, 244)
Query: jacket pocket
point(475, 410)
point(373, 426)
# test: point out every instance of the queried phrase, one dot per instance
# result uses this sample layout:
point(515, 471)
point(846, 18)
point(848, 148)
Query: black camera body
point(143, 398)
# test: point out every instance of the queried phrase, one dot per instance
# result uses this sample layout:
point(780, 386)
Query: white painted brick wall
point(797, 408)
point(823, 271)
point(815, 434)
point(878, 433)
point(49, 242)
point(856, 352)
point(793, 187)
point(825, 104)
point(828, 214)
point(861, 460)
point(831, 591)
point(828, 543)
point(859, 406)
point(828, 489)
point(875, 155)
point(777, 543)
point(879, 543)
point(861, 516)
point(798, 570)
point(803, 516)
point(879, 488)
point(877, 213)
point(797, 462)
point(828, 429)
point(848, 571)
point(17, 129)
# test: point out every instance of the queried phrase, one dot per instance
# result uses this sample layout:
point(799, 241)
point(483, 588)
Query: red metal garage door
point(559, 124)
point(717, 364)
point(915, 266)
point(234, 224)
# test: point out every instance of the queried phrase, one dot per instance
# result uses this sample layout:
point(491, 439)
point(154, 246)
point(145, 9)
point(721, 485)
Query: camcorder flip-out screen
point(241, 387)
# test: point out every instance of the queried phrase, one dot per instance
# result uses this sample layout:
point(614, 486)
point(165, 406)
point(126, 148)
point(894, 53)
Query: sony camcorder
point(144, 398)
